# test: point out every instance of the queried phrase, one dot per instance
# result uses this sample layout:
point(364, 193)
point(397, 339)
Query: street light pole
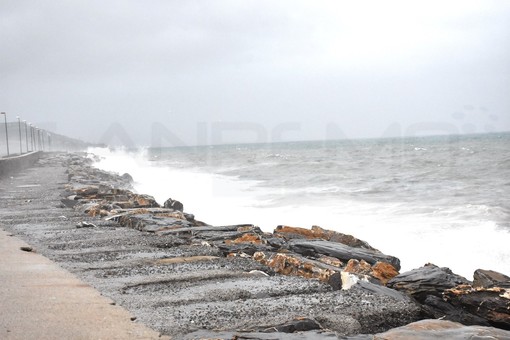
point(6, 132)
point(41, 146)
point(19, 128)
point(36, 137)
point(42, 139)
point(32, 136)
point(26, 133)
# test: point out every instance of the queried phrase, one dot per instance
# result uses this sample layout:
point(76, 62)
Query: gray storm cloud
point(188, 72)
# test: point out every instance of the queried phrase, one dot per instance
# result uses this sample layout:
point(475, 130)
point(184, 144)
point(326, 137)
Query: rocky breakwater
point(226, 281)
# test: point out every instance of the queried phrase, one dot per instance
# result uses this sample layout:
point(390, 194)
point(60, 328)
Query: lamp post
point(19, 128)
point(38, 137)
point(42, 138)
point(6, 132)
point(32, 136)
point(35, 138)
point(26, 133)
point(39, 140)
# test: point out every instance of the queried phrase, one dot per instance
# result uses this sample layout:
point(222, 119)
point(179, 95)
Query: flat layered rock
point(490, 278)
point(452, 297)
point(316, 232)
point(341, 251)
point(427, 280)
point(152, 223)
point(489, 304)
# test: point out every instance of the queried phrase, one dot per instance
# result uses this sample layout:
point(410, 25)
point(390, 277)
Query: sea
point(442, 199)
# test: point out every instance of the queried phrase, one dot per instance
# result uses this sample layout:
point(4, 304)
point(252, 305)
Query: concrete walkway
point(40, 300)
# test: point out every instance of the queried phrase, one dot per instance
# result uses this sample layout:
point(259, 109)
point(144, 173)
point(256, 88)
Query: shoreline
point(220, 199)
point(133, 250)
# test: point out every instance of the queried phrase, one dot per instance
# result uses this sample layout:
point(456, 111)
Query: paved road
point(40, 300)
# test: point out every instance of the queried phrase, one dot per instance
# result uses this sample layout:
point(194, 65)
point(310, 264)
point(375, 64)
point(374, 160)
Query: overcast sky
point(187, 72)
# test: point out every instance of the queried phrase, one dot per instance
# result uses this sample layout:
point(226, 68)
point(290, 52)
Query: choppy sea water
point(444, 200)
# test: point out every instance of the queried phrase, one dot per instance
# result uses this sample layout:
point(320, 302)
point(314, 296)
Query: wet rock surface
point(489, 278)
point(189, 279)
point(445, 295)
point(489, 304)
point(341, 252)
point(427, 280)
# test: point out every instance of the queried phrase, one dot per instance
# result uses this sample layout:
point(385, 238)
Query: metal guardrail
point(21, 137)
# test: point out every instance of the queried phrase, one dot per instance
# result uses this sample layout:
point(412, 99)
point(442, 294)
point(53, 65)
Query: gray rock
point(340, 251)
point(69, 203)
point(84, 224)
point(173, 204)
point(382, 290)
point(489, 278)
point(491, 304)
point(437, 308)
point(127, 178)
point(207, 231)
point(426, 280)
point(151, 223)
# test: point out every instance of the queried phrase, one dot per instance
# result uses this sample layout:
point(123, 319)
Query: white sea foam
point(417, 235)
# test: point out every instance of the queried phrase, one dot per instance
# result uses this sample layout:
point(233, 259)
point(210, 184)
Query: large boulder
point(490, 304)
point(427, 280)
point(151, 220)
point(317, 232)
point(437, 308)
point(449, 296)
point(144, 201)
point(489, 278)
point(127, 178)
point(340, 251)
point(173, 204)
